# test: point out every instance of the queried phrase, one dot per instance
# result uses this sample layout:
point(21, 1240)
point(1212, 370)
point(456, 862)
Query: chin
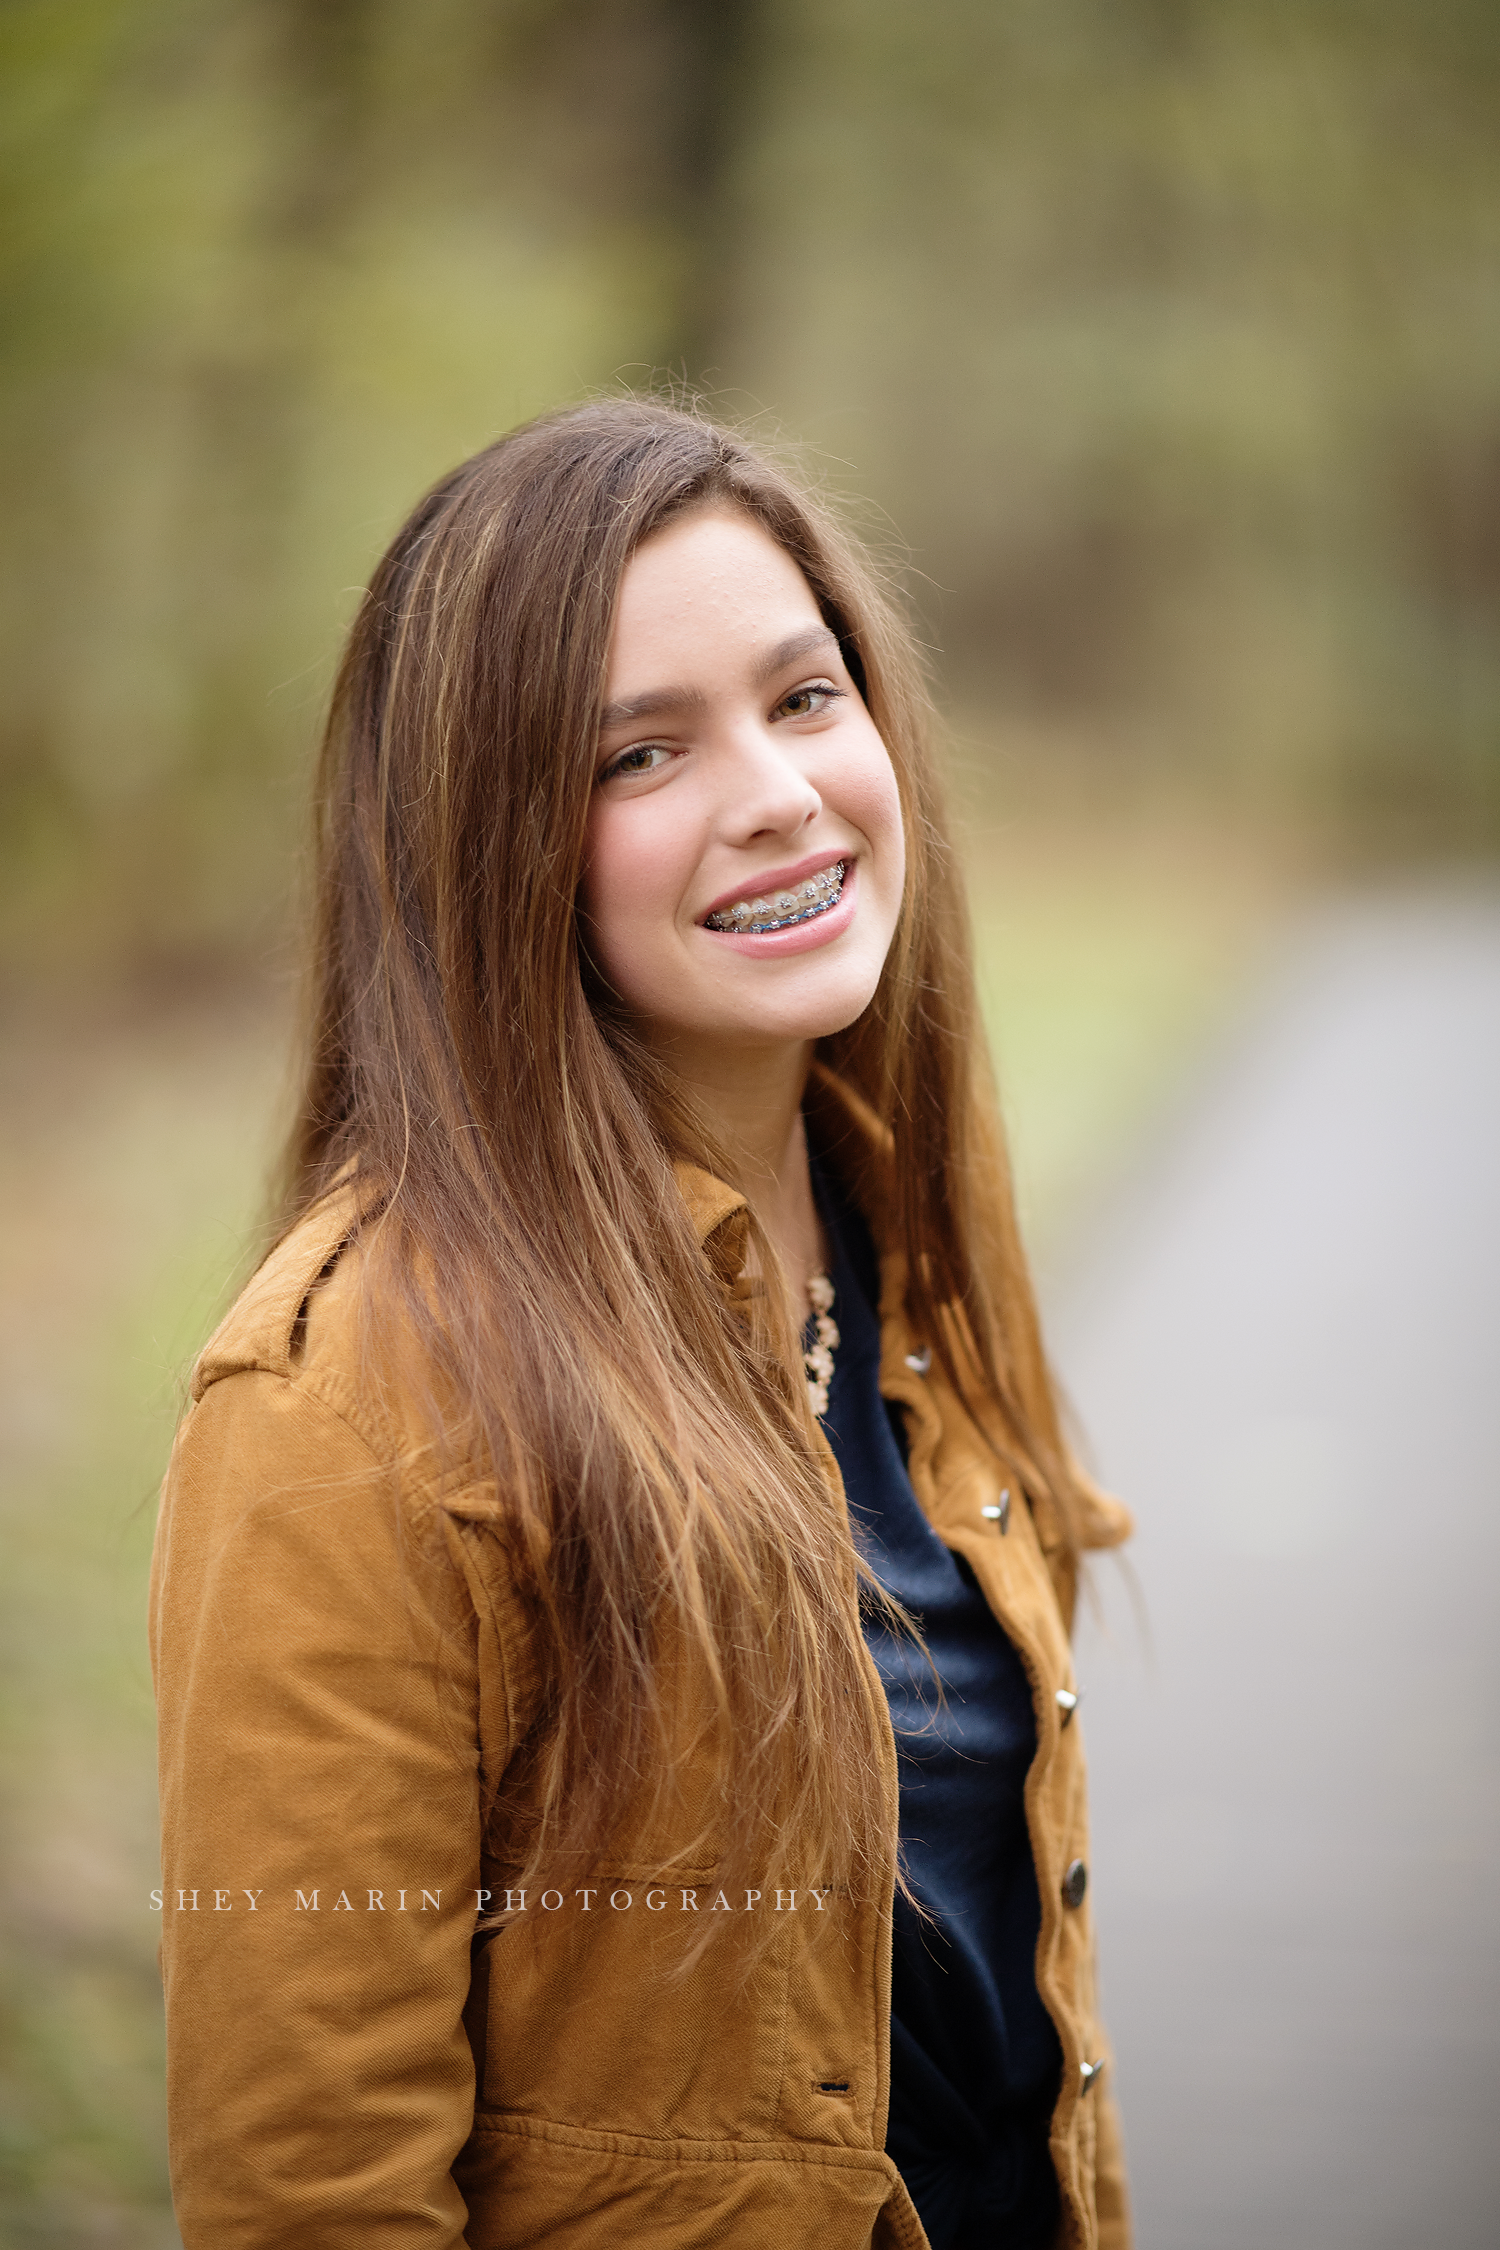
point(819, 1021)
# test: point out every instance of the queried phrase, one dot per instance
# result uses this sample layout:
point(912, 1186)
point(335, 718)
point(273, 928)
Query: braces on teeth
point(783, 908)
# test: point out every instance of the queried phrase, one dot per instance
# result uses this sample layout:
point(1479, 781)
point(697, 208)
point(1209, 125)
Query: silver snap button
point(1088, 2072)
point(1075, 1883)
point(1067, 1703)
point(919, 1362)
point(999, 1513)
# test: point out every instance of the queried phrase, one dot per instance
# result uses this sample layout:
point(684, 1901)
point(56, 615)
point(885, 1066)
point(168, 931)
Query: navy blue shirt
point(974, 2054)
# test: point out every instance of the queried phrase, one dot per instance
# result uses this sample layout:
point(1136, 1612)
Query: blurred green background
point(1158, 341)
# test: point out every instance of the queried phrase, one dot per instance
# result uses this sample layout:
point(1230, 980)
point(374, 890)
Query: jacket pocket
point(582, 2013)
point(530, 2182)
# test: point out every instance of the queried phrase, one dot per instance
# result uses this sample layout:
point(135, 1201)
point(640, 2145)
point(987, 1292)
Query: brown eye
point(640, 759)
point(808, 702)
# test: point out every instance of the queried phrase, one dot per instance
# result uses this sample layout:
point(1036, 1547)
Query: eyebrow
point(655, 703)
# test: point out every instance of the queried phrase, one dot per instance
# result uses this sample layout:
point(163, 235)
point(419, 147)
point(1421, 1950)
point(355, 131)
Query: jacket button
point(998, 1512)
point(919, 1362)
point(1075, 1883)
point(1088, 2072)
point(1067, 1703)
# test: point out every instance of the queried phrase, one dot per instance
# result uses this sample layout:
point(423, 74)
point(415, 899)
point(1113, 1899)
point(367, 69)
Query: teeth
point(816, 894)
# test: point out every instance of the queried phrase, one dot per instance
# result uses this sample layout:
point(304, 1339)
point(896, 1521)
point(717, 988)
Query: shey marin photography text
point(654, 1898)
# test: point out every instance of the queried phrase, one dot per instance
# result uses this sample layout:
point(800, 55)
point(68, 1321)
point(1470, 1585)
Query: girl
point(611, 1597)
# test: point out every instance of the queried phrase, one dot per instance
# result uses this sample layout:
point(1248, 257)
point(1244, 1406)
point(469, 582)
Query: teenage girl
point(620, 1781)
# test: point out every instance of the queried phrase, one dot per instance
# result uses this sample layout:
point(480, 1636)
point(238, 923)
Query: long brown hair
point(658, 1473)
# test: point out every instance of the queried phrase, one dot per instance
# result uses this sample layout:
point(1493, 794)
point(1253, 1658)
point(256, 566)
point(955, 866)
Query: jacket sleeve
point(315, 1663)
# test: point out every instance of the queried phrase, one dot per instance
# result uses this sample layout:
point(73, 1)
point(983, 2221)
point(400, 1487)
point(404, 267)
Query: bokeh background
point(1157, 343)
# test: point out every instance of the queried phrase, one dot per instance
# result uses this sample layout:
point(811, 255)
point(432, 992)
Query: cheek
point(868, 796)
point(633, 880)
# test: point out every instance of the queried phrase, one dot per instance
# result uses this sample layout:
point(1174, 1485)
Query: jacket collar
point(851, 1134)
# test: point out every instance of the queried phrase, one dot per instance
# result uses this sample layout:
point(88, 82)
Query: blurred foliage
point(1167, 331)
point(271, 268)
point(131, 1143)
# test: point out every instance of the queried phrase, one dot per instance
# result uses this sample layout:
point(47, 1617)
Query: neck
point(754, 1106)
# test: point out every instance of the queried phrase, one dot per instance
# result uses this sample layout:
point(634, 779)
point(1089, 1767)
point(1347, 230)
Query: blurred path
point(1286, 1354)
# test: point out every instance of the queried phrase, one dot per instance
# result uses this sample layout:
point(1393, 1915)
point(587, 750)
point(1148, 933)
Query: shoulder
point(266, 1327)
point(314, 1404)
point(302, 1321)
point(299, 1321)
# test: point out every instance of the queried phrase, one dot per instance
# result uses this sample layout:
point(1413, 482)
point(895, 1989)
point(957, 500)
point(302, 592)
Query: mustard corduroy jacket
point(344, 1674)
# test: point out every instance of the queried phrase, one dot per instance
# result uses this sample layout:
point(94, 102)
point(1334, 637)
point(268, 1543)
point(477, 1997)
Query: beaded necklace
point(818, 1358)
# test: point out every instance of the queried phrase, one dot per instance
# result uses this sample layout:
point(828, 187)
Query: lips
point(780, 904)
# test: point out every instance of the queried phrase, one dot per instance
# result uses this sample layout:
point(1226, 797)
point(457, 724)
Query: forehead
point(712, 587)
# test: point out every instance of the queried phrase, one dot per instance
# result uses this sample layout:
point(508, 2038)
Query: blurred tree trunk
point(652, 98)
point(712, 97)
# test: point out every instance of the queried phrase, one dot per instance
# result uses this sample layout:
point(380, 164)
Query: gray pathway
point(1285, 1349)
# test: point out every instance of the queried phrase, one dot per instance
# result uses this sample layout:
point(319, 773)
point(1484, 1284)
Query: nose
point(766, 792)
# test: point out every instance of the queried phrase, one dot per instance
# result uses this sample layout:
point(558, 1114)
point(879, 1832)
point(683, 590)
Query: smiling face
point(744, 855)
